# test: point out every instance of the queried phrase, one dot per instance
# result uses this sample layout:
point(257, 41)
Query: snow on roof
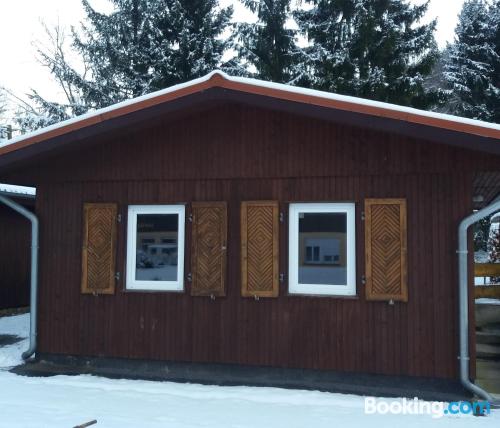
point(10, 189)
point(111, 108)
point(275, 89)
point(360, 101)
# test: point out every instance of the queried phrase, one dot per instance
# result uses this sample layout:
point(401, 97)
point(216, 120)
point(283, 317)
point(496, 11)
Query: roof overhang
point(218, 86)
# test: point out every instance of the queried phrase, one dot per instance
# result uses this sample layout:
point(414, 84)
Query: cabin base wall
point(417, 338)
point(243, 375)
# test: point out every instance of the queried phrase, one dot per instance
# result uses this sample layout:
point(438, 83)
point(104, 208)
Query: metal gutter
point(34, 270)
point(463, 298)
point(17, 195)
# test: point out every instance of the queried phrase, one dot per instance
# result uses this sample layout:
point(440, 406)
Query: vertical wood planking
point(237, 153)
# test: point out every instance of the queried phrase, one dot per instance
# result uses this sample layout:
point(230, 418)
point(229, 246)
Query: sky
point(21, 27)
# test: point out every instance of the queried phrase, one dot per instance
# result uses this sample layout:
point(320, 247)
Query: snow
point(66, 401)
point(261, 84)
point(481, 256)
point(17, 190)
point(17, 325)
point(486, 301)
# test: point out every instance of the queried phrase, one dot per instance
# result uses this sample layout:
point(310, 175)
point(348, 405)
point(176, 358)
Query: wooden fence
point(487, 270)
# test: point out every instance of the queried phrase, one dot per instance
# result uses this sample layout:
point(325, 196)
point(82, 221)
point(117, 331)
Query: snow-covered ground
point(66, 401)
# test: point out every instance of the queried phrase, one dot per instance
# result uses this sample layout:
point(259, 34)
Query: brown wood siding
point(15, 245)
point(235, 154)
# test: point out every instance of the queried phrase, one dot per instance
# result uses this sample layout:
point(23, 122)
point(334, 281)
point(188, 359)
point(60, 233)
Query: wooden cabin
point(237, 222)
point(15, 243)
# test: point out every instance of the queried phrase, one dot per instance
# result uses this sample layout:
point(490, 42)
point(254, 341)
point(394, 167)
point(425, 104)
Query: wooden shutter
point(209, 241)
point(99, 248)
point(385, 245)
point(259, 249)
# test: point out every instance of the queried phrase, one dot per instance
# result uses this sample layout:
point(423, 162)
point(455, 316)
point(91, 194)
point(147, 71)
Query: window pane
point(323, 248)
point(157, 250)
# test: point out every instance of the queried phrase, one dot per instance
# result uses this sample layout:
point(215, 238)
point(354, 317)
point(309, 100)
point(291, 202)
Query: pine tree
point(435, 83)
point(3, 120)
point(481, 234)
point(494, 249)
point(268, 45)
point(198, 26)
point(142, 46)
point(494, 246)
point(474, 63)
point(3, 103)
point(493, 101)
point(370, 48)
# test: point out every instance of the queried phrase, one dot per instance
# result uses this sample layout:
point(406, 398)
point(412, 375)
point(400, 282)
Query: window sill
point(324, 296)
point(138, 290)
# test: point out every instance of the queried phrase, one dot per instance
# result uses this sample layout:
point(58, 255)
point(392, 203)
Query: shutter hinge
point(363, 279)
point(282, 217)
point(362, 216)
point(282, 277)
point(119, 218)
point(190, 277)
point(190, 217)
point(117, 276)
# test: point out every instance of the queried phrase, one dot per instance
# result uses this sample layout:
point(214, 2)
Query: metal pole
point(463, 298)
point(34, 270)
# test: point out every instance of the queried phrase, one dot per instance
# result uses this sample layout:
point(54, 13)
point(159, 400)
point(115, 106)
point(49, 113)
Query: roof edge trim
point(218, 78)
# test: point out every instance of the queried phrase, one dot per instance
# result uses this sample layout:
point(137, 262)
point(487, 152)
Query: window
point(322, 249)
point(155, 247)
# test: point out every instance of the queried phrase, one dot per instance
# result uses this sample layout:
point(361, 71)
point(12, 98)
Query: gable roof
point(217, 79)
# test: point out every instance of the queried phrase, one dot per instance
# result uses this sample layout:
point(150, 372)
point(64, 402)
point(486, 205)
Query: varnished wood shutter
point(99, 248)
point(209, 241)
point(259, 249)
point(385, 245)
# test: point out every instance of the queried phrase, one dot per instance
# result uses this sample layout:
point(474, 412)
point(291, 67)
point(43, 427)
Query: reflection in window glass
point(157, 249)
point(322, 248)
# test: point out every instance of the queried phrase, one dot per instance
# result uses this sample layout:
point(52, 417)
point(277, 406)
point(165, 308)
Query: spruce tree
point(493, 101)
point(142, 46)
point(3, 103)
point(494, 250)
point(470, 66)
point(198, 26)
point(370, 48)
point(268, 45)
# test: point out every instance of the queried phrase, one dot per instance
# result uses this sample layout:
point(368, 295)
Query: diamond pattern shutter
point(385, 245)
point(209, 240)
point(259, 249)
point(99, 248)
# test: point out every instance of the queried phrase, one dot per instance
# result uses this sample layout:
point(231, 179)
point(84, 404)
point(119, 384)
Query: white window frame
point(131, 282)
point(293, 249)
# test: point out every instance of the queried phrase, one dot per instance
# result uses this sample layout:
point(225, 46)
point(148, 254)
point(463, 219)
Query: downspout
point(34, 270)
point(463, 297)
